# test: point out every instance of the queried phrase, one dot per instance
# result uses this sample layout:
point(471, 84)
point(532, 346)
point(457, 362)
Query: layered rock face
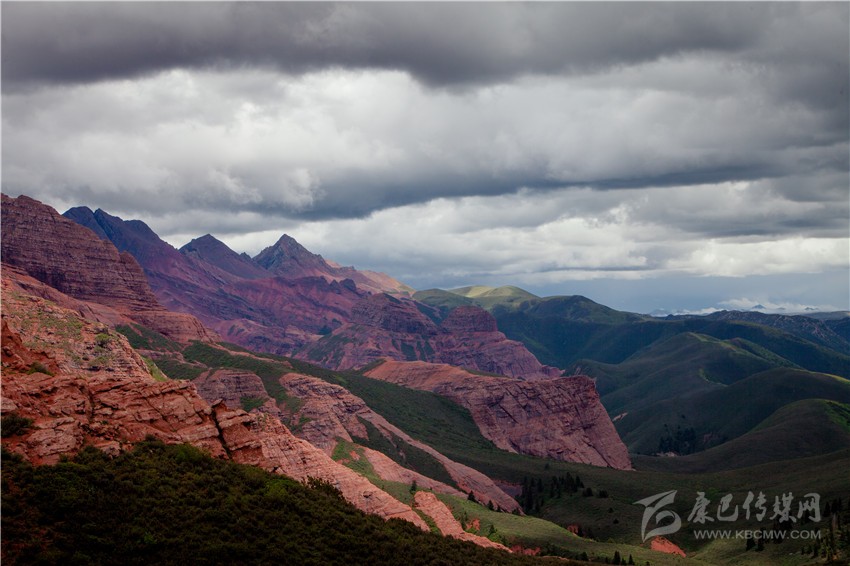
point(65, 256)
point(558, 418)
point(330, 413)
point(111, 400)
point(73, 260)
point(387, 327)
point(233, 387)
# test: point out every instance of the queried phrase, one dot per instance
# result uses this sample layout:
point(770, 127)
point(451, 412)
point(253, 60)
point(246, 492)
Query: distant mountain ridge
point(674, 384)
point(290, 301)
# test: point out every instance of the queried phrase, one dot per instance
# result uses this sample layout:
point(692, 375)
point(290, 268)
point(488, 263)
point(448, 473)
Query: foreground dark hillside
point(162, 504)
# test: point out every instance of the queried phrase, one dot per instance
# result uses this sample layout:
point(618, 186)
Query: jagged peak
point(207, 241)
point(210, 249)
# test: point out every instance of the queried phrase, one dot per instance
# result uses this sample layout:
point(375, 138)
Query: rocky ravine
point(559, 418)
point(331, 413)
point(117, 403)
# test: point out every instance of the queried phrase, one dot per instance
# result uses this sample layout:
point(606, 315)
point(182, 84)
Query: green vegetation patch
point(175, 369)
point(330, 348)
point(13, 425)
point(251, 403)
point(143, 338)
point(38, 367)
point(154, 370)
point(269, 371)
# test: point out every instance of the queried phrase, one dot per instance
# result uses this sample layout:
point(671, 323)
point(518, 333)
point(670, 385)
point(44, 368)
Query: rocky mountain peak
point(290, 259)
point(211, 250)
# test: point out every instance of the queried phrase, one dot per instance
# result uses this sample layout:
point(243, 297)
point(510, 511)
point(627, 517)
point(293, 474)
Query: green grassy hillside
point(443, 300)
point(804, 428)
point(725, 413)
point(489, 298)
point(683, 364)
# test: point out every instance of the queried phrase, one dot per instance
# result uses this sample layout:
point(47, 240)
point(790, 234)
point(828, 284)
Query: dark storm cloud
point(441, 44)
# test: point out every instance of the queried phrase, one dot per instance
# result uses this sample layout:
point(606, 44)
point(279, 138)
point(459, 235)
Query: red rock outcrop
point(388, 327)
point(666, 546)
point(267, 443)
point(330, 413)
point(231, 386)
point(111, 400)
point(16, 281)
point(73, 260)
point(469, 319)
point(561, 418)
point(427, 503)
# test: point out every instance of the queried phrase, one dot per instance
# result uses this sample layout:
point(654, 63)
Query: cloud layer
point(449, 142)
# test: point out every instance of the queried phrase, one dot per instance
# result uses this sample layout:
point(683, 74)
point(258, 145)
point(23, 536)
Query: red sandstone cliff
point(101, 393)
point(73, 260)
point(558, 418)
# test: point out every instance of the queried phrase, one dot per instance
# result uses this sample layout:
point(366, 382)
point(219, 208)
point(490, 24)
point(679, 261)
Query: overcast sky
point(649, 156)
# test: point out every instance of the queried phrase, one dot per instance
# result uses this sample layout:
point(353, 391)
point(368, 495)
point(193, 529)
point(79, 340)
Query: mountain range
point(303, 367)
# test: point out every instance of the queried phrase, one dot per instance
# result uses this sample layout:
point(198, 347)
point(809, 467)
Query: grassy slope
point(680, 365)
point(614, 517)
point(562, 342)
point(804, 428)
point(732, 411)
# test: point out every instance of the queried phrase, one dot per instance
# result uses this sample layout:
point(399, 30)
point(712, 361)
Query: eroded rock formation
point(558, 418)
